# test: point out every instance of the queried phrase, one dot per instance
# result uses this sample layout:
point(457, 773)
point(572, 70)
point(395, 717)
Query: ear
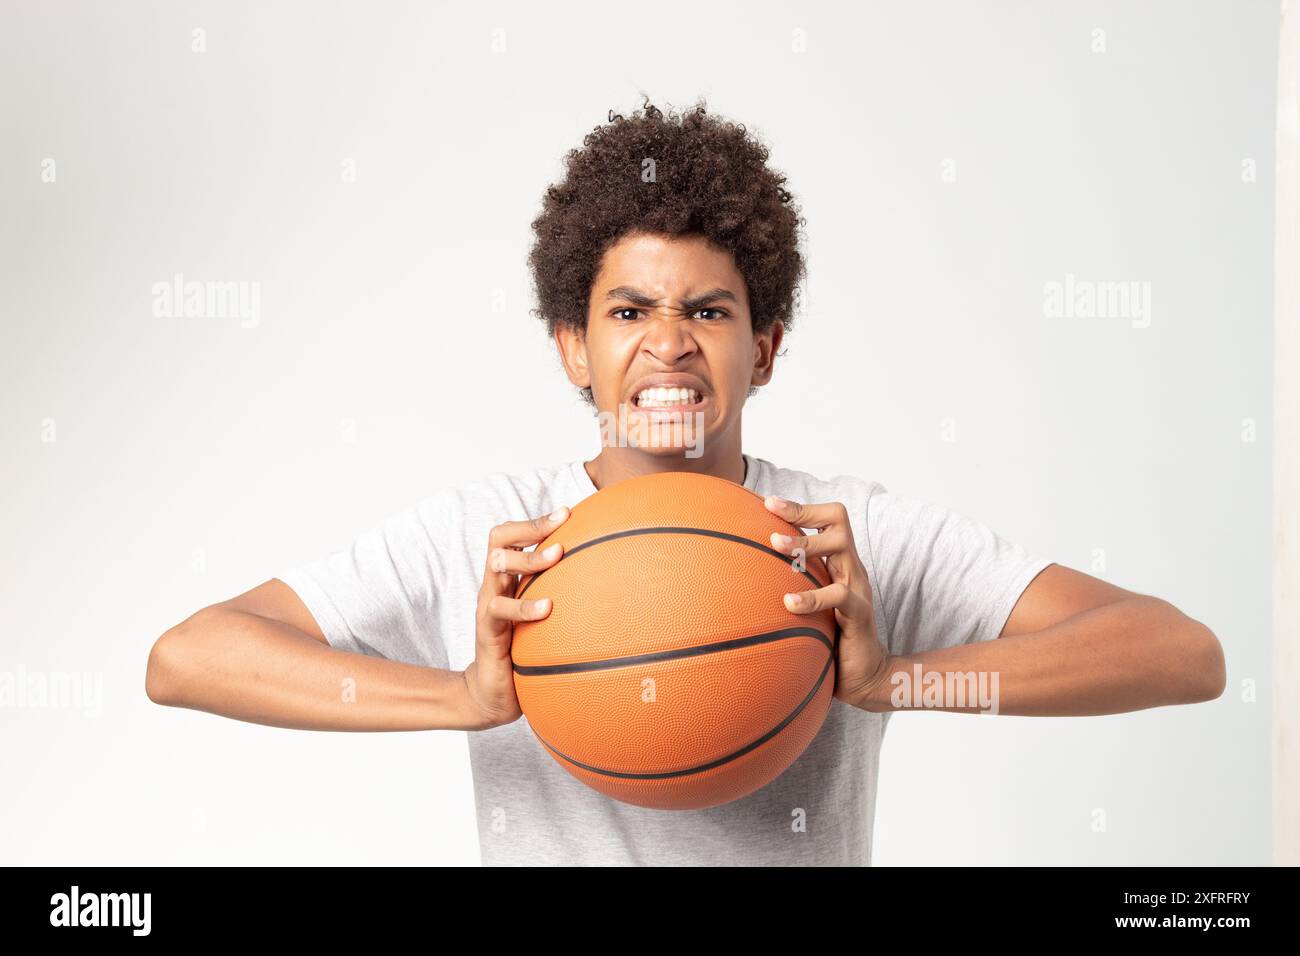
point(573, 353)
point(766, 346)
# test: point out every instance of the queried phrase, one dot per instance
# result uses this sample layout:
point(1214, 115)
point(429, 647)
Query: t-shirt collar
point(586, 487)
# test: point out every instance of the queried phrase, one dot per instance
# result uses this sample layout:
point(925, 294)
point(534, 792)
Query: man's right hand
point(490, 678)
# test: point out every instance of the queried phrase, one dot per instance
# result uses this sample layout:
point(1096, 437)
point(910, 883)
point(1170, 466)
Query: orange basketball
point(669, 673)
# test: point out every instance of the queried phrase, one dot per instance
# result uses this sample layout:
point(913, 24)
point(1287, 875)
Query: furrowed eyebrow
point(689, 304)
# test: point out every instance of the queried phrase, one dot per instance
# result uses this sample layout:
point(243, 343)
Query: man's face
point(669, 336)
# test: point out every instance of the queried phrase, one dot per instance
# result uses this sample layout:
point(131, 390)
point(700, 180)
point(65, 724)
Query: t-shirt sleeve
point(943, 578)
point(382, 594)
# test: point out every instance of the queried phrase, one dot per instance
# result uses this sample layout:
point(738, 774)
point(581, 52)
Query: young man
point(666, 264)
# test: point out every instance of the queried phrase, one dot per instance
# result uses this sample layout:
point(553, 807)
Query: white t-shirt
point(407, 590)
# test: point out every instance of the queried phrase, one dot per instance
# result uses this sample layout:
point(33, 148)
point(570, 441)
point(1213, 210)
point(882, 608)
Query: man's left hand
point(862, 661)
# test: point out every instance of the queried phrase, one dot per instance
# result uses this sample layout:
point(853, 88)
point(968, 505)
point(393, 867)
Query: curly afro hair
point(688, 173)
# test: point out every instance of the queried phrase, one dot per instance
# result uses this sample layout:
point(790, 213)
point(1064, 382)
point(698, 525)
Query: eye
point(721, 313)
point(635, 312)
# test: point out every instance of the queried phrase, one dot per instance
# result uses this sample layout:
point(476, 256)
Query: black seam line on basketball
point(538, 670)
point(668, 774)
point(668, 530)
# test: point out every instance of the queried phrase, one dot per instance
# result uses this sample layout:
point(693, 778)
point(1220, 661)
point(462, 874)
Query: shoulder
point(504, 486)
point(500, 496)
point(854, 492)
point(872, 507)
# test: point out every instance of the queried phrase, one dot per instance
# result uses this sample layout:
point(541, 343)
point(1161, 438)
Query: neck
point(615, 464)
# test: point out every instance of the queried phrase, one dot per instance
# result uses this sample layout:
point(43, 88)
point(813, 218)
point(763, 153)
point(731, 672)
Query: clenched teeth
point(666, 397)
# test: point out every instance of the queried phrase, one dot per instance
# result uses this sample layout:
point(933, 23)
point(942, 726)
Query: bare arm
point(260, 657)
point(1075, 645)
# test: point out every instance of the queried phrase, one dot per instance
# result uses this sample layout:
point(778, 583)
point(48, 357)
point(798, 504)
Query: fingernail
point(774, 502)
point(543, 605)
point(782, 540)
point(559, 514)
point(551, 552)
point(792, 601)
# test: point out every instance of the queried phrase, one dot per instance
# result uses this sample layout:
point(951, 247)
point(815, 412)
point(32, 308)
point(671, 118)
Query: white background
point(1077, 437)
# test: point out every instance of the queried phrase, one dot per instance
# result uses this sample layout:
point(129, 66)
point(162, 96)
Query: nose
point(669, 339)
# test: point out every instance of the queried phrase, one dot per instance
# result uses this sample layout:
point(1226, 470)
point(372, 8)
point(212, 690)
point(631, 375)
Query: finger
point(497, 617)
point(516, 534)
point(819, 516)
point(520, 534)
point(836, 545)
point(502, 608)
point(508, 561)
point(502, 575)
point(831, 541)
point(837, 595)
